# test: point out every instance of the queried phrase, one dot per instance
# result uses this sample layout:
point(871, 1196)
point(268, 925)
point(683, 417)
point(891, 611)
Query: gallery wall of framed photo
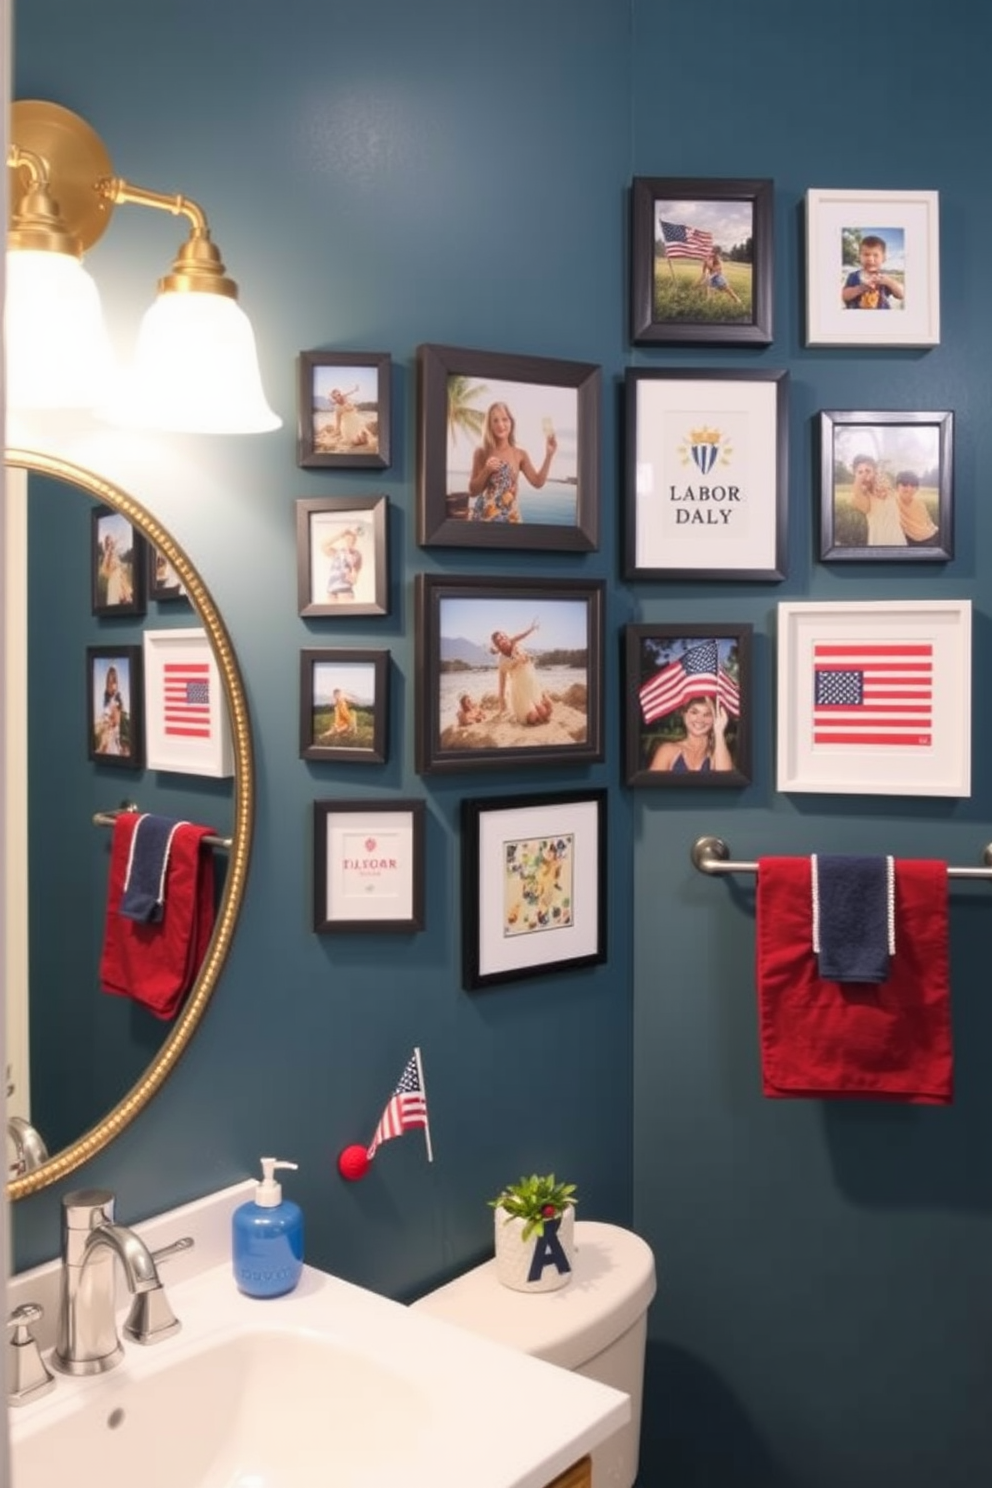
point(510, 668)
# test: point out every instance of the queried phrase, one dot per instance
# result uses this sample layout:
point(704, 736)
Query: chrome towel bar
point(107, 819)
point(712, 855)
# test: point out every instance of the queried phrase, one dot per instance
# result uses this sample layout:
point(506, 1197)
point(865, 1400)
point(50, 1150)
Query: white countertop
point(487, 1414)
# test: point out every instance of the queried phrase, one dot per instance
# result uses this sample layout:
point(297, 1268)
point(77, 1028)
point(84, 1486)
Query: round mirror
point(152, 1051)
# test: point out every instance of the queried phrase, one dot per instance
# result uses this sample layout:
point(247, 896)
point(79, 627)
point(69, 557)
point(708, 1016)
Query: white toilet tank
point(596, 1325)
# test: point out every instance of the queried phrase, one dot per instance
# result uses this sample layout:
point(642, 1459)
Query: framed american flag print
point(186, 720)
point(875, 698)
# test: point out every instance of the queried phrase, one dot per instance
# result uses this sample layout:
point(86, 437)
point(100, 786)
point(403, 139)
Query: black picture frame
point(706, 473)
point(118, 564)
point(327, 586)
point(456, 619)
point(548, 400)
point(354, 726)
point(164, 584)
point(870, 451)
point(115, 707)
point(342, 428)
point(670, 304)
point(368, 866)
point(662, 665)
point(534, 885)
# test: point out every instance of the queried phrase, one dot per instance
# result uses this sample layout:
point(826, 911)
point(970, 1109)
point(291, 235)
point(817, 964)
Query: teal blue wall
point(455, 174)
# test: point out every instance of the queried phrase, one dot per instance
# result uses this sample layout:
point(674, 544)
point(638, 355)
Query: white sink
point(247, 1410)
point(331, 1385)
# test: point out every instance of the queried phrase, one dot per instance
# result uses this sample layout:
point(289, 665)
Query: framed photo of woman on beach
point(508, 672)
point(344, 697)
point(701, 261)
point(533, 886)
point(687, 712)
point(341, 567)
point(508, 451)
point(886, 493)
point(343, 410)
point(118, 564)
point(705, 485)
point(872, 251)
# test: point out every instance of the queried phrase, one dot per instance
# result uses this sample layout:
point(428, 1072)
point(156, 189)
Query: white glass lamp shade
point(195, 370)
point(58, 353)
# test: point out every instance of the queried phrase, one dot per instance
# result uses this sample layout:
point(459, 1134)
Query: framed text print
point(705, 487)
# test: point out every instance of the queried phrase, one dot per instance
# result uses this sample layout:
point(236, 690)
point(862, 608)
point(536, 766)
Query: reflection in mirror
point(91, 1061)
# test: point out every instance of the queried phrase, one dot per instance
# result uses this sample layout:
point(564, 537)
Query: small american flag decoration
point(187, 718)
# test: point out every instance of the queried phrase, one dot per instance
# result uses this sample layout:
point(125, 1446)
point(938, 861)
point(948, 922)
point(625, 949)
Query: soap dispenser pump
point(267, 1238)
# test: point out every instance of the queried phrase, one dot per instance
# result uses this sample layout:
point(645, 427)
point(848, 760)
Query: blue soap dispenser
point(267, 1238)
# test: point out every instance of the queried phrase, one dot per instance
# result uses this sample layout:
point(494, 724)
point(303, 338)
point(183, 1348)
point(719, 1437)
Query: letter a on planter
point(548, 1252)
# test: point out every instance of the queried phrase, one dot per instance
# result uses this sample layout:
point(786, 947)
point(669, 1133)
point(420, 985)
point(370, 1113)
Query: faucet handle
point(28, 1375)
point(151, 1318)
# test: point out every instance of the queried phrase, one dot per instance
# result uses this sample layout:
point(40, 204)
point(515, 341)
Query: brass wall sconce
point(195, 368)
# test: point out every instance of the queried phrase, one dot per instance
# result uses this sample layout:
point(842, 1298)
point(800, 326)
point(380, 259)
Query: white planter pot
point(541, 1263)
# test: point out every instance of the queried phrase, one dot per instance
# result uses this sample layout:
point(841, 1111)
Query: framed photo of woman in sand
point(687, 716)
point(343, 410)
point(508, 451)
point(115, 706)
point(534, 891)
point(508, 671)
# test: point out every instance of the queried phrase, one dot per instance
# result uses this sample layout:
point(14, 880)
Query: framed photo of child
point(872, 268)
point(344, 696)
point(886, 492)
point(701, 261)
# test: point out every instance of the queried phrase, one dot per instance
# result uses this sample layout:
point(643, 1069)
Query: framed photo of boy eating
point(872, 268)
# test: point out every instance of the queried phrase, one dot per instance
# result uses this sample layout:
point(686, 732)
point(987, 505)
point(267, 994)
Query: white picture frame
point(706, 488)
point(875, 698)
point(907, 223)
point(187, 729)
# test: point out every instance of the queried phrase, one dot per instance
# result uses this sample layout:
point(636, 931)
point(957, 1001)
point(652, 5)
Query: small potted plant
point(535, 1233)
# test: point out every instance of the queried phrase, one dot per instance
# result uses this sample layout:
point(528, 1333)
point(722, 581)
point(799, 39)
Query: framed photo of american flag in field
point(875, 698)
point(186, 718)
point(701, 261)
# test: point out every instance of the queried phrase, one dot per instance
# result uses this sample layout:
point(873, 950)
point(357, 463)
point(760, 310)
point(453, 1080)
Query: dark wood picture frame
point(375, 883)
point(357, 727)
point(337, 588)
point(862, 457)
point(668, 669)
point(164, 584)
point(547, 400)
point(706, 477)
point(118, 564)
point(456, 619)
point(534, 885)
point(676, 221)
point(115, 706)
point(340, 427)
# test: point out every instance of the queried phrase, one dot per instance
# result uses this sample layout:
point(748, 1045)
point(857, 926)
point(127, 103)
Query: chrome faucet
point(28, 1145)
point(86, 1338)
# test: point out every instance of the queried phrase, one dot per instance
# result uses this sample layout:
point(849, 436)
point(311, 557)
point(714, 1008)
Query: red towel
point(884, 1041)
point(157, 963)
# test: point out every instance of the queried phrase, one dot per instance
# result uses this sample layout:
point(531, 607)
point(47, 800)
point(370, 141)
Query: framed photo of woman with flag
point(688, 705)
point(701, 261)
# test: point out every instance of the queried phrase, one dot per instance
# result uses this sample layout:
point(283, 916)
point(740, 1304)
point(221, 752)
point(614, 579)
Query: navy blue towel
point(853, 917)
point(143, 898)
